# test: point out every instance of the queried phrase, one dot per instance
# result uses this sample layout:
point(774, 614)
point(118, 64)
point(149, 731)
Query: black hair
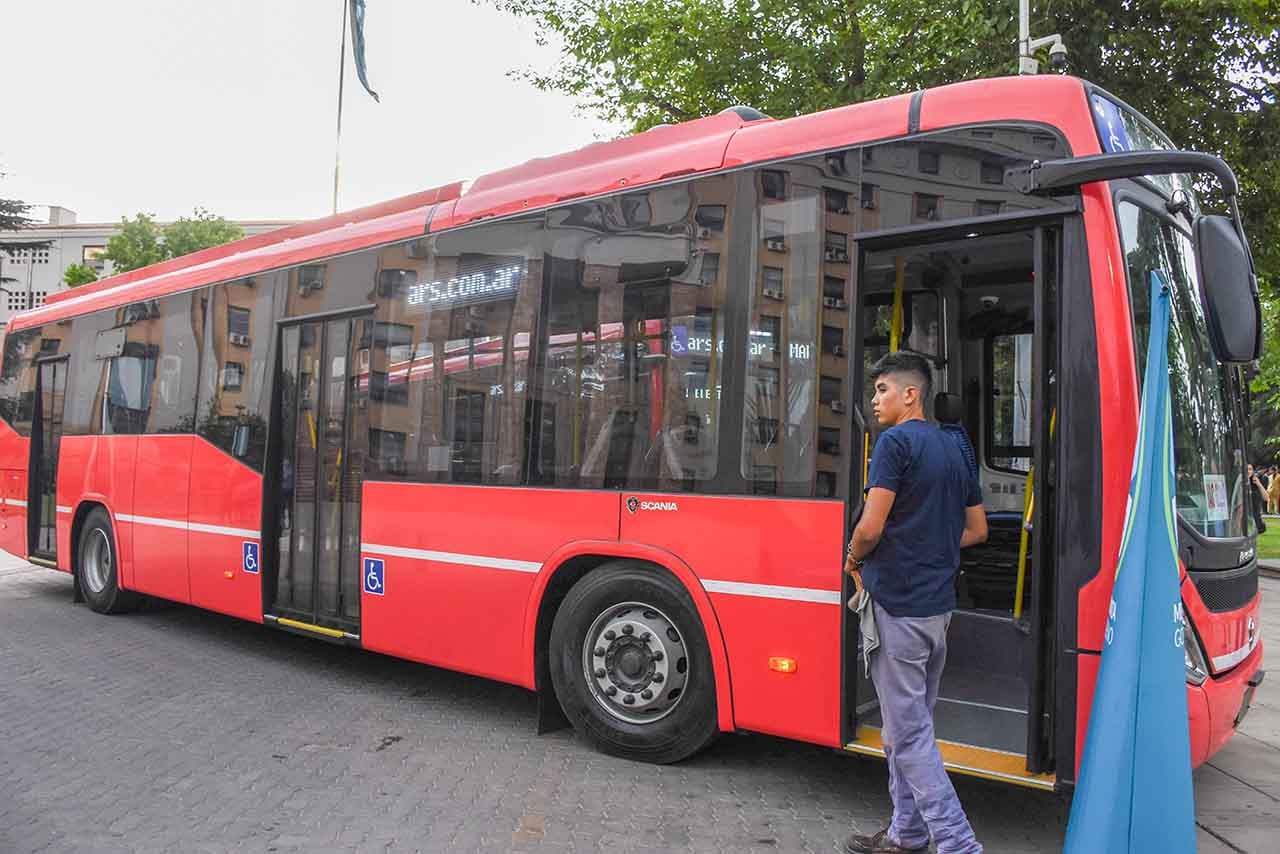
point(912, 365)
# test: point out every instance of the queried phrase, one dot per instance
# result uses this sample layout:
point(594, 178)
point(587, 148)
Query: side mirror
point(1228, 290)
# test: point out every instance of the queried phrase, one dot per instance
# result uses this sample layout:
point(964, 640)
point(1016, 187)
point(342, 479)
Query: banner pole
point(342, 67)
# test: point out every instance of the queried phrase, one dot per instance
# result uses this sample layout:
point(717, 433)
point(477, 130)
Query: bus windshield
point(1207, 427)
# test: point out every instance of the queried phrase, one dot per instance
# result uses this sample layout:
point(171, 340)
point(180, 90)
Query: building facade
point(31, 276)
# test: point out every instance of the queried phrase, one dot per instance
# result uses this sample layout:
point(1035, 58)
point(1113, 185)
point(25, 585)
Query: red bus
point(594, 425)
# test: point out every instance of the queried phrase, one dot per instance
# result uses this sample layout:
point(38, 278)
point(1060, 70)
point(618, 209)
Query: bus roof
point(722, 141)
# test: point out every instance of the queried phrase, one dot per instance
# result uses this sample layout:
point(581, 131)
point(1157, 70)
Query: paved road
point(178, 730)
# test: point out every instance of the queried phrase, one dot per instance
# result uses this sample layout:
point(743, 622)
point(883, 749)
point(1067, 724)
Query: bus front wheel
point(97, 567)
point(630, 664)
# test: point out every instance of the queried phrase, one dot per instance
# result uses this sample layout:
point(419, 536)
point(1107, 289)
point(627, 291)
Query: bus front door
point(46, 436)
point(976, 305)
point(317, 465)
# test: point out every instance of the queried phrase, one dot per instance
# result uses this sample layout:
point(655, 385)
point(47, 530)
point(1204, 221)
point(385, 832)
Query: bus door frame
point(1040, 223)
point(35, 463)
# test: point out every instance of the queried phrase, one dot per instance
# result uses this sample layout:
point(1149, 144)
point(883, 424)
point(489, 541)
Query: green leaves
point(142, 241)
point(79, 274)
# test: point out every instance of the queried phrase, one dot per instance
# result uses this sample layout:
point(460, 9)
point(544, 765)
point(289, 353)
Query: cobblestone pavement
point(172, 729)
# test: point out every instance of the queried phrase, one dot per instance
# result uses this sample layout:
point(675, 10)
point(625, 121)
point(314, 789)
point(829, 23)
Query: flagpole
point(342, 67)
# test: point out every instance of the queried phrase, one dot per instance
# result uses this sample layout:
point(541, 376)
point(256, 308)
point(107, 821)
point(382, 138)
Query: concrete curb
point(1269, 568)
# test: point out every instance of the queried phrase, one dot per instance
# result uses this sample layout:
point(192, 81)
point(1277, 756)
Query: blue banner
point(357, 45)
point(1134, 792)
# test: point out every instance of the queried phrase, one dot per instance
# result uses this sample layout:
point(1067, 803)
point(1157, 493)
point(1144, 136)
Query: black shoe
point(878, 843)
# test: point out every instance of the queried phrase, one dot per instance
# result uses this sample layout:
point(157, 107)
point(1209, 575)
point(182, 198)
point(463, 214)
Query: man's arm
point(975, 526)
point(866, 536)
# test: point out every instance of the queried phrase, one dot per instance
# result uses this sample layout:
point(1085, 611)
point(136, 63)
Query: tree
point(137, 245)
point(79, 274)
point(13, 217)
point(142, 241)
point(1204, 70)
point(200, 232)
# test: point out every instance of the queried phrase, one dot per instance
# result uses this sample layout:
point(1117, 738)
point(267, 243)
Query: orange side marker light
point(226, 573)
point(782, 664)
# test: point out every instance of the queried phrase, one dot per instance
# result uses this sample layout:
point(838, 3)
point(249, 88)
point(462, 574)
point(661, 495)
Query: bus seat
point(949, 410)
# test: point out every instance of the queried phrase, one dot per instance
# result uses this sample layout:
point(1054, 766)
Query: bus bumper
point(1219, 705)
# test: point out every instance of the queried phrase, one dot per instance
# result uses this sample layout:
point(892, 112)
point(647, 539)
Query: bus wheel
point(97, 566)
point(630, 664)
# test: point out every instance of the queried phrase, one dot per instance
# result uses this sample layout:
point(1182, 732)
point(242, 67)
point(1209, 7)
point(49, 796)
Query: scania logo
point(634, 504)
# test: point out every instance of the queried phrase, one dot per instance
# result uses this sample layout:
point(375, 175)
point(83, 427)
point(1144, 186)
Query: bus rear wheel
point(97, 568)
point(631, 666)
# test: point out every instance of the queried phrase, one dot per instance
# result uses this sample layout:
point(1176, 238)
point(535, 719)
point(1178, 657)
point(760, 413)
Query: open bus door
point(324, 385)
point(979, 302)
point(46, 437)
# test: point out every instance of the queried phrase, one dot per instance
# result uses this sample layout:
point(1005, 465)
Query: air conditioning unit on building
point(842, 211)
point(417, 249)
point(834, 302)
point(704, 233)
point(238, 339)
point(838, 350)
point(775, 244)
point(868, 204)
point(773, 293)
point(838, 256)
point(837, 406)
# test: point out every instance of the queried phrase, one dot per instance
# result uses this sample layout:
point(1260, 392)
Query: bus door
point(46, 436)
point(316, 471)
point(969, 301)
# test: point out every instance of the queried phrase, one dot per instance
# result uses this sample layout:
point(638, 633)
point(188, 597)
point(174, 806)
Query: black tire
point(661, 728)
point(96, 566)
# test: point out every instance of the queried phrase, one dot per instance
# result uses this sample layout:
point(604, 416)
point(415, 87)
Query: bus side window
point(18, 379)
point(236, 321)
point(1009, 402)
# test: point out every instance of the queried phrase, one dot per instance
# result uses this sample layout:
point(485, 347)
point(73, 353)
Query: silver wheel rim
point(635, 662)
point(96, 561)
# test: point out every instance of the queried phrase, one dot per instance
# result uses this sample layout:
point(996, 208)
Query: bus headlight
point(1193, 657)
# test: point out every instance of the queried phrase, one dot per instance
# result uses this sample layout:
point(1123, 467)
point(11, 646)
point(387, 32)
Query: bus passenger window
point(1009, 402)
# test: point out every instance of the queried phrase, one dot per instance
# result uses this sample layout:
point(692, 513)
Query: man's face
point(892, 399)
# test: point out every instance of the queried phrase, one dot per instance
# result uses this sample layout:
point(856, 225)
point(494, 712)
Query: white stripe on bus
point(452, 557)
point(63, 509)
point(199, 527)
point(774, 591)
point(16, 502)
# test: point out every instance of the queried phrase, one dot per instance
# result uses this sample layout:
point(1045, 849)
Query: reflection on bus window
point(1009, 406)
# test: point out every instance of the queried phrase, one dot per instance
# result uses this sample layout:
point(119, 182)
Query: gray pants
point(906, 669)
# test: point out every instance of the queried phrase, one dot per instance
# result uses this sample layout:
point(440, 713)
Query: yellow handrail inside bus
point(1028, 507)
point(895, 330)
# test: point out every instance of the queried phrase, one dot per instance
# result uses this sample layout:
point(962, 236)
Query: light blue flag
point(1134, 792)
point(357, 45)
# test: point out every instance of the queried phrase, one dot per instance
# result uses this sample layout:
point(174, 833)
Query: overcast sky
point(113, 108)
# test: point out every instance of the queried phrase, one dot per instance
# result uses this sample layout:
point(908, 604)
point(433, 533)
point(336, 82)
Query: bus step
point(311, 629)
point(965, 759)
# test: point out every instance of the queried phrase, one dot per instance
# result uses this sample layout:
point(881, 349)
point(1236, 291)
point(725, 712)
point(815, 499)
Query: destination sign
point(476, 286)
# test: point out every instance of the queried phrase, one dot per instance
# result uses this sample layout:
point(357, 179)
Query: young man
point(922, 506)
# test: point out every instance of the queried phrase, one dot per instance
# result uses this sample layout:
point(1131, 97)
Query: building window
point(927, 206)
point(710, 217)
point(773, 282)
point(833, 340)
point(238, 325)
point(837, 201)
point(91, 257)
point(825, 486)
point(986, 207)
point(829, 441)
point(836, 247)
point(232, 376)
point(832, 288)
point(992, 173)
point(829, 390)
point(929, 161)
point(869, 194)
point(710, 268)
point(774, 183)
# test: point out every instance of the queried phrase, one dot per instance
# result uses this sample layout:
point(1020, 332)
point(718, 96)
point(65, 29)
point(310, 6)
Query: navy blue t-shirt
point(911, 572)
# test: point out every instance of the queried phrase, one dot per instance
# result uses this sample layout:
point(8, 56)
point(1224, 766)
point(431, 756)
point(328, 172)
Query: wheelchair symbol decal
point(250, 552)
point(374, 579)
